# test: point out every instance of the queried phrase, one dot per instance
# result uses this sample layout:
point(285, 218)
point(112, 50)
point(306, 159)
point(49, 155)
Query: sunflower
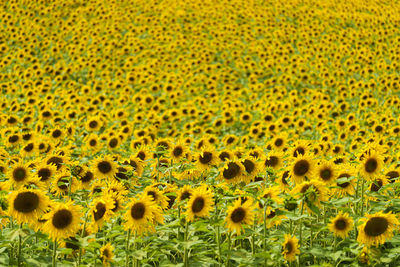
point(45, 172)
point(63, 220)
point(106, 254)
point(290, 248)
point(142, 214)
point(64, 182)
point(200, 203)
point(178, 151)
point(136, 164)
point(252, 168)
point(314, 192)
point(377, 228)
point(274, 160)
point(232, 171)
point(326, 172)
point(239, 214)
point(302, 167)
point(271, 194)
point(341, 225)
point(157, 196)
point(104, 167)
point(271, 217)
point(142, 152)
point(18, 174)
point(117, 187)
point(26, 205)
point(58, 160)
point(101, 211)
point(371, 165)
point(283, 179)
point(378, 183)
point(225, 155)
point(345, 187)
point(206, 158)
point(184, 193)
point(300, 148)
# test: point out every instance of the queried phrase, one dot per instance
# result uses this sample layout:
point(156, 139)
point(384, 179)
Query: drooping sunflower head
point(377, 228)
point(101, 211)
point(341, 225)
point(185, 193)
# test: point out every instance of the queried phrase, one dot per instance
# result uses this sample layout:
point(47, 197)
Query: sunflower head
point(199, 204)
point(290, 248)
point(240, 214)
point(341, 225)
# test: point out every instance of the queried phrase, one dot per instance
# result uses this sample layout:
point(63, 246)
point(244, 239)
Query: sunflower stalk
point(19, 246)
point(265, 234)
point(186, 252)
point(301, 226)
point(54, 259)
point(362, 197)
point(127, 248)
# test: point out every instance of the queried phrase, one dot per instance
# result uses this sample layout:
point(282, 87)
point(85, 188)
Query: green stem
point(186, 256)
point(54, 262)
point(265, 234)
point(127, 249)
point(253, 238)
point(301, 226)
point(229, 249)
point(218, 236)
point(362, 197)
point(19, 246)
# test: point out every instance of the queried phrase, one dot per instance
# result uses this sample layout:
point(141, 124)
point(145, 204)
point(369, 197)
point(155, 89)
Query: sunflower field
point(199, 133)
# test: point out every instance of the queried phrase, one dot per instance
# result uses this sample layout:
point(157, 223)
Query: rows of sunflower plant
point(199, 133)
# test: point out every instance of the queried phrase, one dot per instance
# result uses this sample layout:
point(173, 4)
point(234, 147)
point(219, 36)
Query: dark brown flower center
point(301, 167)
point(299, 151)
point(26, 202)
point(44, 174)
point(177, 151)
point(104, 167)
point(376, 226)
point(371, 165)
point(198, 204)
point(206, 158)
point(224, 156)
point(185, 195)
point(62, 219)
point(249, 165)
point(325, 174)
point(100, 211)
point(289, 247)
point(232, 171)
point(272, 161)
point(238, 215)
point(340, 224)
point(138, 210)
point(19, 174)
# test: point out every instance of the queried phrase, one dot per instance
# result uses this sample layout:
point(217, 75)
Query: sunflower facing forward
point(240, 214)
point(26, 205)
point(377, 228)
point(106, 254)
point(142, 214)
point(63, 220)
point(290, 248)
point(104, 167)
point(199, 204)
point(341, 225)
